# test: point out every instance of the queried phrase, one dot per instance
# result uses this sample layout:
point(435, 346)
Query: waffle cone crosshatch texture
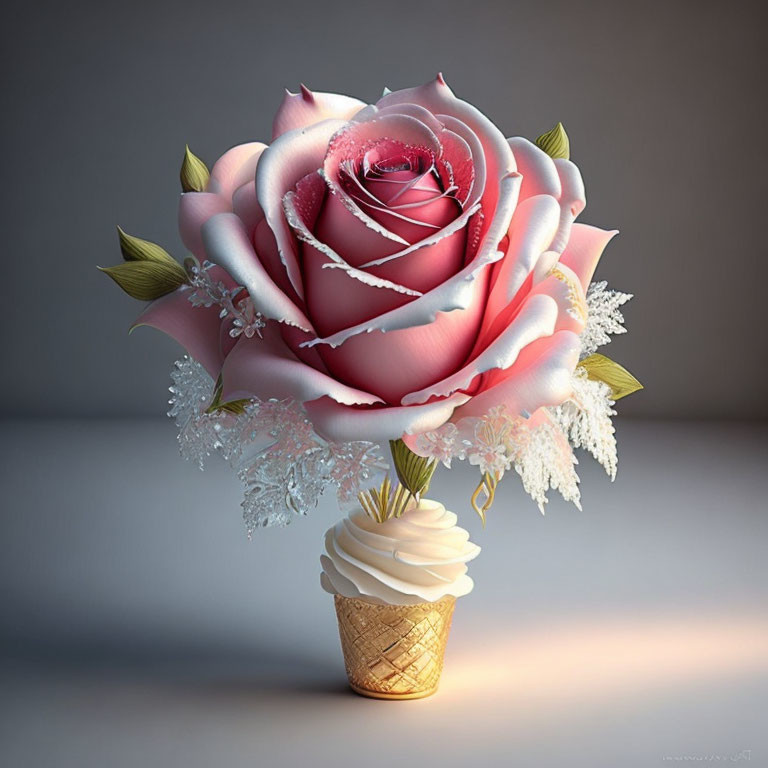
point(394, 651)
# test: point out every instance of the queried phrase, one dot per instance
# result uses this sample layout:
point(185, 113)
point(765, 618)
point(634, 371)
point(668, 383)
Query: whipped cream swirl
point(419, 557)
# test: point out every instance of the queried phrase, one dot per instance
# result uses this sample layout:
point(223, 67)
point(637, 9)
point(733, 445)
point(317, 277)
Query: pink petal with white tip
point(342, 422)
point(195, 208)
point(395, 363)
point(288, 159)
point(458, 292)
point(558, 178)
point(320, 220)
point(298, 110)
point(573, 200)
point(438, 98)
point(350, 141)
point(540, 376)
point(540, 176)
point(245, 206)
point(536, 319)
point(236, 167)
point(265, 368)
point(456, 127)
point(530, 234)
point(228, 245)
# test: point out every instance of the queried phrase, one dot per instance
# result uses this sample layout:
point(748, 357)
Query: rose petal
point(540, 176)
point(456, 146)
point(537, 318)
point(416, 273)
point(299, 110)
point(365, 294)
point(459, 292)
point(267, 253)
point(348, 143)
point(572, 201)
point(289, 158)
point(265, 368)
point(342, 422)
point(540, 376)
point(422, 114)
point(585, 247)
point(246, 206)
point(236, 167)
point(397, 362)
point(563, 286)
point(461, 160)
point(349, 236)
point(338, 298)
point(337, 226)
point(428, 267)
point(416, 204)
point(227, 244)
point(530, 234)
point(197, 329)
point(195, 208)
point(439, 99)
point(558, 178)
point(456, 127)
point(293, 337)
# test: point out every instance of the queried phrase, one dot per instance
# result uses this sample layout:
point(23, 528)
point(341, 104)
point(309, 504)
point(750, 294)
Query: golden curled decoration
point(486, 486)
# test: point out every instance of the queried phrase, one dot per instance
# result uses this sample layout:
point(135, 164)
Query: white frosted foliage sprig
point(604, 316)
point(205, 291)
point(544, 460)
point(283, 464)
point(586, 420)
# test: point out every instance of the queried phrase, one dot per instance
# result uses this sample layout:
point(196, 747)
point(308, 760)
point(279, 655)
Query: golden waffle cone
point(394, 651)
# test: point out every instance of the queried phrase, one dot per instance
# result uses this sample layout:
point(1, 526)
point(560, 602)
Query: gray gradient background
point(664, 104)
point(140, 628)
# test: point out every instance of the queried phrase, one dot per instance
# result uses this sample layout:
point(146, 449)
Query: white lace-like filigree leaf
point(604, 316)
point(283, 465)
point(586, 420)
point(540, 449)
point(544, 459)
point(204, 291)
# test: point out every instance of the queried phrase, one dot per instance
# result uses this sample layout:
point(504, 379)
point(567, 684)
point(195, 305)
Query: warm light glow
point(606, 657)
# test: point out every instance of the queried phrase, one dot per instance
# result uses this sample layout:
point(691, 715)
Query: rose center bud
point(403, 192)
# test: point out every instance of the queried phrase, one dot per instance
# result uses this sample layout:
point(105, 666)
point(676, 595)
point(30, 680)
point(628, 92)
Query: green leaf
point(233, 406)
point(194, 173)
point(413, 471)
point(136, 249)
point(620, 380)
point(555, 143)
point(147, 280)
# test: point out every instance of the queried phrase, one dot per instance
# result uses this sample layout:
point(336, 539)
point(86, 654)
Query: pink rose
point(412, 265)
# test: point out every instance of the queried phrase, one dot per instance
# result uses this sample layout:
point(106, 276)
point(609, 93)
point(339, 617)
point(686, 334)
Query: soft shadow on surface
point(212, 669)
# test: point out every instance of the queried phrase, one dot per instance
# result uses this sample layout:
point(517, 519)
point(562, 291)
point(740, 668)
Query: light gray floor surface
point(141, 627)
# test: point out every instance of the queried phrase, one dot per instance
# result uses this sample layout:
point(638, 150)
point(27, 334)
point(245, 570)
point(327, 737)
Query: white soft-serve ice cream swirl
point(419, 557)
